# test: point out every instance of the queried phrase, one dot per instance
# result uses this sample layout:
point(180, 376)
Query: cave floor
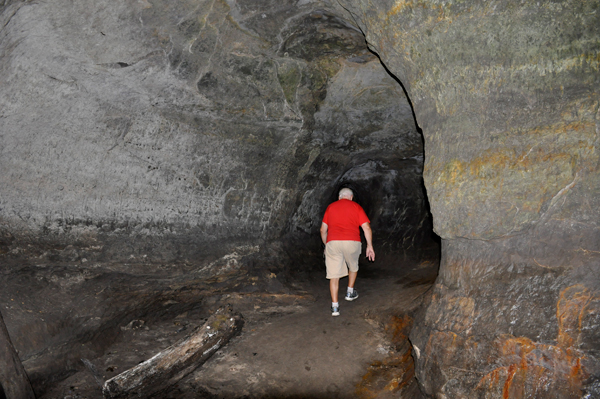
point(290, 345)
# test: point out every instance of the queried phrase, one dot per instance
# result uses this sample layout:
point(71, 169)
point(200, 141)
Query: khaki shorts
point(341, 256)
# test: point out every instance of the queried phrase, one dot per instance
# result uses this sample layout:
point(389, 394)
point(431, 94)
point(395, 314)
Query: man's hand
point(323, 230)
point(369, 237)
point(370, 253)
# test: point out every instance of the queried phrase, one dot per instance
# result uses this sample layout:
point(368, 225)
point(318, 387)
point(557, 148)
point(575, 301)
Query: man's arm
point(324, 228)
point(369, 237)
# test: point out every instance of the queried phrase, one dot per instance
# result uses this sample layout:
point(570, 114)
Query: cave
point(163, 160)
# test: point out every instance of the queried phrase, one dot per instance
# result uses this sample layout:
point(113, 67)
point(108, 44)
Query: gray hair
point(345, 193)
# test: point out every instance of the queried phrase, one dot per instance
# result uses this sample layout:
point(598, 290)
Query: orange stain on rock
point(512, 369)
point(399, 7)
point(519, 346)
point(497, 161)
point(397, 371)
point(526, 367)
point(570, 311)
point(493, 163)
point(403, 5)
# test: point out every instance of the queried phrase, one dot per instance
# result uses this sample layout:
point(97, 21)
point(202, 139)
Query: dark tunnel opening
point(387, 184)
point(371, 142)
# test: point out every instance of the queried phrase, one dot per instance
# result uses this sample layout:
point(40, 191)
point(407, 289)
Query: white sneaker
point(351, 297)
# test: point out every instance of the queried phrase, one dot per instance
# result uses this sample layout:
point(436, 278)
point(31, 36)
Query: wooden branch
point(172, 364)
point(13, 379)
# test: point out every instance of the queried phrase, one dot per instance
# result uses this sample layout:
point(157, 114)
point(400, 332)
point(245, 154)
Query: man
point(341, 235)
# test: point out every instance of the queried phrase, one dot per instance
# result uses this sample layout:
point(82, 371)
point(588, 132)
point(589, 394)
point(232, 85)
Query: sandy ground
point(290, 345)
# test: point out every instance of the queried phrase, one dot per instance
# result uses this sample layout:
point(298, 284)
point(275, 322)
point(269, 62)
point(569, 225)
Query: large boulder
point(506, 93)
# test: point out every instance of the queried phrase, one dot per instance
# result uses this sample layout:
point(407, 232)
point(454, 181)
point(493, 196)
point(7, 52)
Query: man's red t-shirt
point(343, 219)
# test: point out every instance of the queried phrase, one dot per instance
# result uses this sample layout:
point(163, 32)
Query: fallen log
point(172, 364)
point(14, 383)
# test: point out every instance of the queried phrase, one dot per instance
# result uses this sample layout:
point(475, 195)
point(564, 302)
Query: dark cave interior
point(164, 160)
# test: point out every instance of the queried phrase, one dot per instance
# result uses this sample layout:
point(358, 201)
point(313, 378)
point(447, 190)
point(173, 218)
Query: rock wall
point(506, 93)
point(161, 130)
point(153, 153)
point(190, 131)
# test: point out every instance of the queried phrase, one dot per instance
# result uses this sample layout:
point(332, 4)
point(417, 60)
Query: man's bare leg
point(351, 294)
point(334, 287)
point(352, 278)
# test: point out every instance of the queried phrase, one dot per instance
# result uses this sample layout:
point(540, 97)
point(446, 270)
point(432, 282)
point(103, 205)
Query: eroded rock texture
point(506, 93)
point(179, 124)
point(191, 144)
point(155, 153)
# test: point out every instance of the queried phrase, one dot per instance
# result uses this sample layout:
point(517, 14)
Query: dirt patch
point(290, 347)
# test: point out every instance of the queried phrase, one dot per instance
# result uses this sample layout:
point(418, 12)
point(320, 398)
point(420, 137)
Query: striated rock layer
point(507, 95)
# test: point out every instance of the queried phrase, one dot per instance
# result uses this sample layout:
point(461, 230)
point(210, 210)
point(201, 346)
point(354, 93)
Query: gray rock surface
point(157, 151)
point(179, 125)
